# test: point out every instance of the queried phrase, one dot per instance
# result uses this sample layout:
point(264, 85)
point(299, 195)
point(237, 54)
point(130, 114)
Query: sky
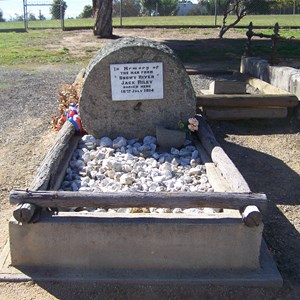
point(12, 7)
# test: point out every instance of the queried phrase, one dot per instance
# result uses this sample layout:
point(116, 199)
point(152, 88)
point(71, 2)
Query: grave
point(215, 248)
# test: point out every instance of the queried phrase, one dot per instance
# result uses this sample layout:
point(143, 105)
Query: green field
point(32, 48)
point(258, 20)
point(38, 46)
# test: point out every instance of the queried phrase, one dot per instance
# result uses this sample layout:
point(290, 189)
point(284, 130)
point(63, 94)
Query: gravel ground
point(266, 153)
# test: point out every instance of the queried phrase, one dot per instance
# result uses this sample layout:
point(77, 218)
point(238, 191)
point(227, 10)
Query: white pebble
point(126, 179)
point(119, 142)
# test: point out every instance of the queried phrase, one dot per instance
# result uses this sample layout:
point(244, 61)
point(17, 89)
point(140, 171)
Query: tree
point(195, 11)
point(41, 17)
point(130, 8)
point(210, 6)
point(87, 12)
point(31, 17)
point(19, 17)
point(149, 6)
point(240, 8)
point(284, 6)
point(103, 11)
point(167, 7)
point(56, 9)
point(1, 16)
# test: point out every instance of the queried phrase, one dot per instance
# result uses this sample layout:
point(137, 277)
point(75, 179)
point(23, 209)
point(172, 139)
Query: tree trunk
point(103, 13)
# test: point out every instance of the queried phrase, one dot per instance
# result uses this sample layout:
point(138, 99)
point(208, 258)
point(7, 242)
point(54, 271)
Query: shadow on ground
point(267, 174)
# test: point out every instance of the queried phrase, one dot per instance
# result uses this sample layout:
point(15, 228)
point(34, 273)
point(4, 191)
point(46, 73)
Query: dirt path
point(266, 152)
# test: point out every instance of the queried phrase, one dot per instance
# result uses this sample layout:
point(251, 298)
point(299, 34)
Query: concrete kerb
point(283, 77)
point(267, 276)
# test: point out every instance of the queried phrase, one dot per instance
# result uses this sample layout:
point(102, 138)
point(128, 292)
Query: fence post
point(62, 15)
point(275, 38)
point(25, 15)
point(249, 34)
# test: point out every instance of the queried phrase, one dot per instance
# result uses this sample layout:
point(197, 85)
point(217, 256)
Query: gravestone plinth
point(133, 85)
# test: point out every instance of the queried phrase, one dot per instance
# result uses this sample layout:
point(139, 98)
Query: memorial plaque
point(137, 81)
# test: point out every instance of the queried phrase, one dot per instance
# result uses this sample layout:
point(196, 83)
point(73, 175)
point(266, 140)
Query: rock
point(149, 140)
point(166, 166)
point(88, 139)
point(195, 154)
point(124, 210)
point(203, 179)
point(116, 166)
point(209, 210)
point(177, 211)
point(119, 142)
point(194, 171)
point(192, 211)
point(105, 142)
point(126, 179)
point(100, 210)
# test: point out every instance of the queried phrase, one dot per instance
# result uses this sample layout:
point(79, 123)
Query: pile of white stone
point(121, 165)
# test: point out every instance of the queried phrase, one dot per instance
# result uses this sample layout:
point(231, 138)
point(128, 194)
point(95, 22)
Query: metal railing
point(275, 38)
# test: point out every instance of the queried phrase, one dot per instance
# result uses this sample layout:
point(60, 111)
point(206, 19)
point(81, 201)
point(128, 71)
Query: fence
point(275, 38)
point(17, 15)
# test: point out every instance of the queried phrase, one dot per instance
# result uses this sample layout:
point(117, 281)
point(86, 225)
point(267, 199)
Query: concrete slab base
point(265, 277)
point(158, 242)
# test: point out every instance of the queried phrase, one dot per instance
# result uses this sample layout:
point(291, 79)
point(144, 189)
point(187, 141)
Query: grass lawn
point(32, 48)
point(258, 20)
point(45, 46)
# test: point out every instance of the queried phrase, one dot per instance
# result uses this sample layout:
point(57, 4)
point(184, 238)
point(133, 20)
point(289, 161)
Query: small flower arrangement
point(191, 126)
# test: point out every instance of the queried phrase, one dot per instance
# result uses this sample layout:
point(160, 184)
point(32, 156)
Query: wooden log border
point(229, 171)
point(133, 199)
point(56, 160)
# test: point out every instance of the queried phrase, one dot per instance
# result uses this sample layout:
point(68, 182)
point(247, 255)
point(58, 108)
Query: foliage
point(31, 17)
point(42, 17)
point(148, 6)
point(130, 8)
point(159, 7)
point(55, 9)
point(210, 6)
point(195, 11)
point(1, 16)
point(240, 8)
point(168, 7)
point(87, 12)
point(285, 6)
point(19, 17)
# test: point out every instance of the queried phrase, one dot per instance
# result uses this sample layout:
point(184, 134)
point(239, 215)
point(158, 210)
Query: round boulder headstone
point(133, 85)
